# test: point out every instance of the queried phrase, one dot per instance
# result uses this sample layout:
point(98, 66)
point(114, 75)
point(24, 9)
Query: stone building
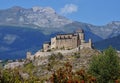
point(67, 41)
point(29, 56)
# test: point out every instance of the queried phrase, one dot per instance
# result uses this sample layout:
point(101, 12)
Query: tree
point(105, 67)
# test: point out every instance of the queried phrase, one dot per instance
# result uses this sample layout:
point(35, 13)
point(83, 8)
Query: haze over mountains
point(114, 42)
point(43, 22)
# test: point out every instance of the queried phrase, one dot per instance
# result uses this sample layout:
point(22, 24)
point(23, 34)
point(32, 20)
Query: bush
point(52, 57)
point(66, 75)
point(59, 56)
point(76, 55)
point(29, 67)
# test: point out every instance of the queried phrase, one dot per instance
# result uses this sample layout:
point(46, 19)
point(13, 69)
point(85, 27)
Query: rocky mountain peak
point(43, 9)
point(16, 8)
point(49, 9)
point(117, 23)
point(47, 19)
point(36, 8)
point(36, 16)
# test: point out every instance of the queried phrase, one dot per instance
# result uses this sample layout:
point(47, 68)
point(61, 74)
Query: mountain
point(23, 30)
point(35, 16)
point(106, 31)
point(47, 20)
point(114, 42)
point(16, 41)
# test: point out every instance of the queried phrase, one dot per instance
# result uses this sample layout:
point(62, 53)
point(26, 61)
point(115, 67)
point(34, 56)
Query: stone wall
point(86, 45)
point(46, 46)
point(29, 56)
point(53, 43)
point(66, 43)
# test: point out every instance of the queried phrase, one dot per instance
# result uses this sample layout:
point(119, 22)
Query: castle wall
point(46, 46)
point(81, 36)
point(66, 43)
point(86, 45)
point(53, 43)
point(74, 42)
point(29, 56)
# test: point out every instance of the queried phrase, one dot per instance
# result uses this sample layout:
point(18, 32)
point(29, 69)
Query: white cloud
point(69, 8)
point(9, 38)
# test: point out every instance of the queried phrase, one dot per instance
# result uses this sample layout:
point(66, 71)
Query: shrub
point(52, 57)
point(66, 75)
point(59, 56)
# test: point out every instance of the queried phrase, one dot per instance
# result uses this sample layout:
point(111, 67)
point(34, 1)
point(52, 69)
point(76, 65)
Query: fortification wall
point(66, 43)
point(53, 42)
point(86, 45)
point(46, 47)
point(29, 56)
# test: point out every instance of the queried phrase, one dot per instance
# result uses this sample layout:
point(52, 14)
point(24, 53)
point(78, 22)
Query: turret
point(28, 55)
point(90, 43)
point(80, 33)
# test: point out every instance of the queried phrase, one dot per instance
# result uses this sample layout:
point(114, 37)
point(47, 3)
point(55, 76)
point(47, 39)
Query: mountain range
point(47, 20)
point(24, 29)
point(114, 42)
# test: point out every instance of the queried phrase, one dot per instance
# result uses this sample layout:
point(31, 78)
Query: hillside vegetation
point(85, 66)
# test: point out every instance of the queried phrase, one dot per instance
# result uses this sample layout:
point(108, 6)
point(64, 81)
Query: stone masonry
point(67, 41)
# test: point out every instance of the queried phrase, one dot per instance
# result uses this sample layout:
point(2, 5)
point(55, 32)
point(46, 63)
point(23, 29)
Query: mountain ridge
point(103, 44)
point(38, 16)
point(47, 20)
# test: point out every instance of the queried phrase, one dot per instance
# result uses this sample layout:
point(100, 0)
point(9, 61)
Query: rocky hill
point(44, 66)
point(51, 63)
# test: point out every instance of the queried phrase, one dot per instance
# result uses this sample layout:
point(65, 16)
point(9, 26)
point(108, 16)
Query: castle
point(62, 43)
point(68, 41)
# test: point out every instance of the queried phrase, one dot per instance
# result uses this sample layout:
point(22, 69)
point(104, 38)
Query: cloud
point(69, 8)
point(2, 48)
point(9, 38)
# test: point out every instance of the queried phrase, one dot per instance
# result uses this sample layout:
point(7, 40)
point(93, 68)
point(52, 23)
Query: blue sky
point(97, 12)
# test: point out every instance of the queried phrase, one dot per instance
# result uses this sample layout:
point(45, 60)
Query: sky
point(97, 12)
